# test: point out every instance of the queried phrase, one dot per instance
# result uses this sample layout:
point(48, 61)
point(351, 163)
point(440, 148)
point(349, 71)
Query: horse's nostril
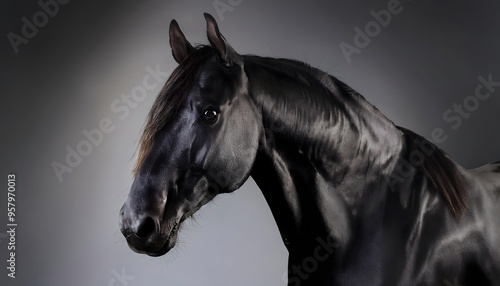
point(146, 228)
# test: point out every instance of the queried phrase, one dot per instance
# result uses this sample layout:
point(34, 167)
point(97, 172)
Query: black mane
point(440, 170)
point(437, 167)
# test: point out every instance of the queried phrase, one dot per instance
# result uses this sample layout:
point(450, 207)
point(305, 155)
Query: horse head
point(200, 140)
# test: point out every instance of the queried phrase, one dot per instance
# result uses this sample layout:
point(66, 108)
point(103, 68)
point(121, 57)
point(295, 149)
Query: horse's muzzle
point(143, 232)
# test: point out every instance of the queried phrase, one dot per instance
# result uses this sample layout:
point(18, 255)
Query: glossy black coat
point(353, 203)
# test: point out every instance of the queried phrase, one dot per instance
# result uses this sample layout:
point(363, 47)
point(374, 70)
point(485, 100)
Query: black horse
point(358, 200)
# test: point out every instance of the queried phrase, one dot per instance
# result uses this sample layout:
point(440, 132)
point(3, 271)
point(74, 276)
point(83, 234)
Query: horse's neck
point(324, 152)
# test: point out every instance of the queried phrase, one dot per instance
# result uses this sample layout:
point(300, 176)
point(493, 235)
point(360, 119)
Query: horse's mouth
point(169, 242)
point(172, 235)
point(173, 231)
point(157, 246)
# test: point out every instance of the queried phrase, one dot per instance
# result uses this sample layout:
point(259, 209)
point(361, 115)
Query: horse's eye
point(210, 115)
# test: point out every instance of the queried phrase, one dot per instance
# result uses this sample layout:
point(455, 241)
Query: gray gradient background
point(91, 52)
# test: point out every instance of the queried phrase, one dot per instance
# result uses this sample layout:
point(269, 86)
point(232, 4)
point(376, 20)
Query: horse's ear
point(226, 52)
point(181, 48)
